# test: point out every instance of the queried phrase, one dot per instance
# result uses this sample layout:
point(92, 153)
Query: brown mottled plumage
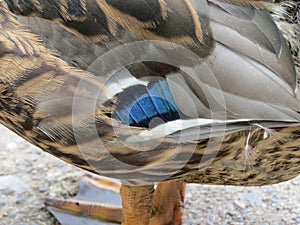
point(256, 143)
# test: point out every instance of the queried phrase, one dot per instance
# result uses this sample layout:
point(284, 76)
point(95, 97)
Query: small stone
point(38, 151)
point(2, 204)
point(12, 184)
point(247, 212)
point(25, 169)
point(20, 199)
point(11, 216)
point(60, 164)
point(269, 190)
point(285, 219)
point(33, 223)
point(33, 158)
point(7, 191)
point(240, 204)
point(252, 198)
point(43, 189)
point(211, 218)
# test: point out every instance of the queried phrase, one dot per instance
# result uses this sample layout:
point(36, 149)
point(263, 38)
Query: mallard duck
point(153, 91)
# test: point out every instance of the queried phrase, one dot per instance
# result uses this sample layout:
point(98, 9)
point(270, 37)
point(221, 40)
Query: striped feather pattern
point(101, 20)
point(39, 88)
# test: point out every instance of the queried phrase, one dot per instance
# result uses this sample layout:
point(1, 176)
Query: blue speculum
point(140, 105)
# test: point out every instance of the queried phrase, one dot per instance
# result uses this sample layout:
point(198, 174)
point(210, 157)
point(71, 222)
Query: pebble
point(247, 212)
point(60, 164)
point(269, 190)
point(285, 219)
point(43, 189)
point(2, 204)
point(38, 150)
point(20, 199)
point(25, 169)
point(10, 184)
point(252, 198)
point(240, 204)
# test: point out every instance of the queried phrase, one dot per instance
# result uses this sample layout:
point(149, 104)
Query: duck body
point(192, 91)
point(267, 103)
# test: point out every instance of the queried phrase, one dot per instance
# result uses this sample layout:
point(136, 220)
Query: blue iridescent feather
point(139, 105)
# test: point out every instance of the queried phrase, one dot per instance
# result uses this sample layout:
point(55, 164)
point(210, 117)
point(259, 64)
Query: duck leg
point(137, 204)
point(166, 207)
point(168, 203)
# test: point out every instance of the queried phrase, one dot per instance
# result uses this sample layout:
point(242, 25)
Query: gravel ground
point(28, 175)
